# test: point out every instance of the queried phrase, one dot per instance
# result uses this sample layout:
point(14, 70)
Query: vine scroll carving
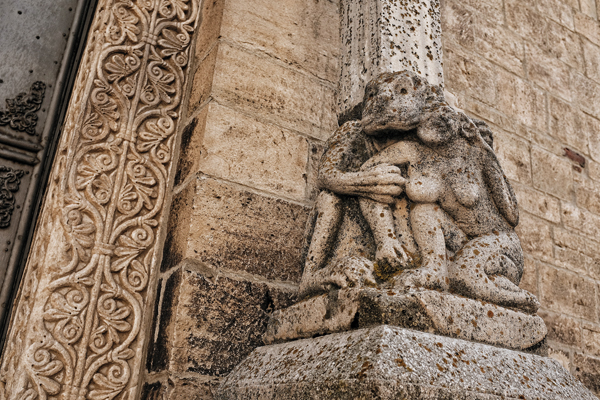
point(77, 330)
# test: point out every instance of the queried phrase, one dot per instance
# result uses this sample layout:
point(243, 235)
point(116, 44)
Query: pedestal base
point(387, 362)
point(425, 310)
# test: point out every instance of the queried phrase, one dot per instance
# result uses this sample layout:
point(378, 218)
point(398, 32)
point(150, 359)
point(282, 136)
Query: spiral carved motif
point(77, 329)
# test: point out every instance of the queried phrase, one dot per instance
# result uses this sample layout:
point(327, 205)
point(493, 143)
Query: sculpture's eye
point(403, 91)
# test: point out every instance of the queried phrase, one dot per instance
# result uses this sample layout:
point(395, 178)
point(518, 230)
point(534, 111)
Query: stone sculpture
point(414, 215)
point(413, 228)
point(462, 209)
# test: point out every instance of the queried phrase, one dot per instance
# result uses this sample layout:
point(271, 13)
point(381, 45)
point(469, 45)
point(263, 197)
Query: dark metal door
point(40, 47)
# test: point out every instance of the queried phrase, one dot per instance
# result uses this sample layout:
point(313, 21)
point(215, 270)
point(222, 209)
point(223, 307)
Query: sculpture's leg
point(454, 237)
point(329, 217)
point(401, 211)
point(427, 221)
point(380, 218)
point(489, 268)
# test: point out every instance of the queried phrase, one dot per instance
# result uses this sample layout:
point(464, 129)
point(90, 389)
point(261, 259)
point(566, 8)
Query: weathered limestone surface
point(528, 68)
point(394, 363)
point(228, 226)
point(211, 320)
point(425, 310)
point(261, 105)
point(387, 36)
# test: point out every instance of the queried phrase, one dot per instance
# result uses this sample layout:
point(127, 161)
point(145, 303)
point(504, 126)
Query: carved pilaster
point(78, 327)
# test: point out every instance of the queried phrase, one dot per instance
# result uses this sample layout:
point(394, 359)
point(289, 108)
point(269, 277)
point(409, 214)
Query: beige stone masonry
point(541, 57)
point(262, 103)
point(303, 35)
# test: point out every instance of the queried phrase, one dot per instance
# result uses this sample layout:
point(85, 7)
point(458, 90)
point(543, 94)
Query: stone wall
point(531, 69)
point(263, 103)
point(261, 106)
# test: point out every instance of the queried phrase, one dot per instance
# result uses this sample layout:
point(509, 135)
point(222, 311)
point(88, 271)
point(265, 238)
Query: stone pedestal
point(426, 310)
point(387, 362)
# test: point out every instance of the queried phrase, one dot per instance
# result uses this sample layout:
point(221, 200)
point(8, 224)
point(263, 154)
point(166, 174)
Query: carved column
point(387, 36)
point(78, 329)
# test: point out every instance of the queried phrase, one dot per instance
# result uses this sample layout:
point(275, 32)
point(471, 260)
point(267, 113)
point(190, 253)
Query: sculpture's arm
point(339, 169)
point(400, 153)
point(500, 189)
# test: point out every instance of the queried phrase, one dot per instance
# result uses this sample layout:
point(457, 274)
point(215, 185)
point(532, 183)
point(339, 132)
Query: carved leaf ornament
point(77, 331)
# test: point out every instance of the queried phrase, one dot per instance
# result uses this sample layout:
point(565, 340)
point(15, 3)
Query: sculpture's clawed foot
point(428, 277)
point(350, 272)
point(392, 255)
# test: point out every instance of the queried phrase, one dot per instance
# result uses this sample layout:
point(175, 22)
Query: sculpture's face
point(395, 101)
point(439, 127)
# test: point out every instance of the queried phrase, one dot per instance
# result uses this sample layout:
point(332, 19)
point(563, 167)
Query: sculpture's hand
point(351, 272)
point(390, 253)
point(381, 183)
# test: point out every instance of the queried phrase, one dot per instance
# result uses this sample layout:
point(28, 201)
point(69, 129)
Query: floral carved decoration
point(78, 327)
point(21, 111)
point(10, 180)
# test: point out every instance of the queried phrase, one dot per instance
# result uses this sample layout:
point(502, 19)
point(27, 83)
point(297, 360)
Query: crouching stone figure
point(413, 196)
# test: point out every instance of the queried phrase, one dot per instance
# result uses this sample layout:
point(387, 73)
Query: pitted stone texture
point(440, 186)
point(210, 320)
point(387, 36)
point(393, 363)
point(426, 310)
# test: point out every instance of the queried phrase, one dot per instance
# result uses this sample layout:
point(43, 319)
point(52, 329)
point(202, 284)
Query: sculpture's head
point(397, 102)
point(443, 125)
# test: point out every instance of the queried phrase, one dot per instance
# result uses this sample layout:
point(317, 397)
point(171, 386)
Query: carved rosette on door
point(19, 116)
point(21, 112)
point(78, 327)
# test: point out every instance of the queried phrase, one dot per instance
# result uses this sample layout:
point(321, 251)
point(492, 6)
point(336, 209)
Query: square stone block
point(237, 229)
point(387, 362)
point(210, 322)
